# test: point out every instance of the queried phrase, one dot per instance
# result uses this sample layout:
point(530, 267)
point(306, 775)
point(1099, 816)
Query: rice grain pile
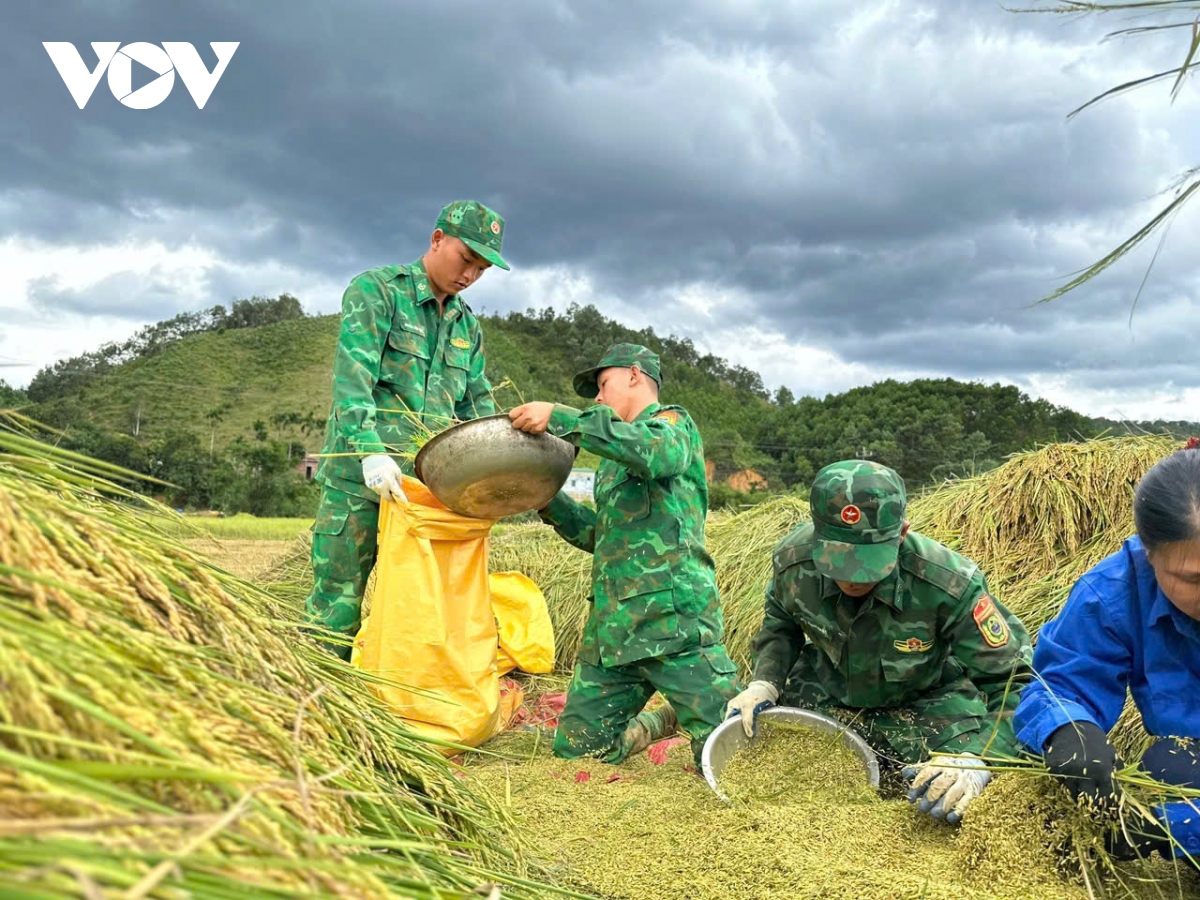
point(642, 831)
point(785, 762)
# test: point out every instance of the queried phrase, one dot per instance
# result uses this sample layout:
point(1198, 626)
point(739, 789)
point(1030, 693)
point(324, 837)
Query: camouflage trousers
point(345, 540)
point(950, 718)
point(602, 701)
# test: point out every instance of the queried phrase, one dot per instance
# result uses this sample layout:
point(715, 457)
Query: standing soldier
point(409, 352)
point(893, 632)
point(656, 619)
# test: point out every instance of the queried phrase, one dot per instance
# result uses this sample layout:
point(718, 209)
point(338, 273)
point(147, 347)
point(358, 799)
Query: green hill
point(218, 384)
point(204, 387)
point(217, 381)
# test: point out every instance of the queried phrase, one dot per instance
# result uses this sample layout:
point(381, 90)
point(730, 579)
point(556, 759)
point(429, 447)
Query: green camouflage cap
point(858, 516)
point(478, 227)
point(622, 356)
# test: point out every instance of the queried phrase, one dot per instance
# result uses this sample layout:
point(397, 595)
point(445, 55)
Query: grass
point(245, 527)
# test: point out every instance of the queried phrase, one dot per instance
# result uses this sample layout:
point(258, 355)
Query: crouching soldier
point(893, 633)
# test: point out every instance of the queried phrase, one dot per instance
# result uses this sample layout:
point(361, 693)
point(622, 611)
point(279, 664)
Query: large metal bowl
point(729, 737)
point(488, 469)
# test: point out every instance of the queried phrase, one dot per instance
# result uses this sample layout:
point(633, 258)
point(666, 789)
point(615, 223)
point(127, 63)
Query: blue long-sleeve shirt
point(1117, 630)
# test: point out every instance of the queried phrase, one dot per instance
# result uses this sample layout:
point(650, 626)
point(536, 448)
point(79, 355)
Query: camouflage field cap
point(478, 227)
point(858, 516)
point(623, 356)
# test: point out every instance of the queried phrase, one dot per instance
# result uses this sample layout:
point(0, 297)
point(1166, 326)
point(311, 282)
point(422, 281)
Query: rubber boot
point(648, 727)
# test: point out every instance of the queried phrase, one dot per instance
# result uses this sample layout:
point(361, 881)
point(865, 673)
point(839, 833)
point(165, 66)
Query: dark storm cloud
point(885, 177)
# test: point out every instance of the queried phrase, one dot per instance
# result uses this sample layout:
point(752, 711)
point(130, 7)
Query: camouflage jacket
point(399, 355)
point(929, 623)
point(654, 588)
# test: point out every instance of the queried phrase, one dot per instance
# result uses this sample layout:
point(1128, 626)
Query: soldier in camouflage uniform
point(409, 352)
point(893, 633)
point(656, 621)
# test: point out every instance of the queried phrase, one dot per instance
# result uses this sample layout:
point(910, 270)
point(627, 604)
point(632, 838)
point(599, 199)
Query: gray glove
point(945, 786)
point(750, 702)
point(382, 475)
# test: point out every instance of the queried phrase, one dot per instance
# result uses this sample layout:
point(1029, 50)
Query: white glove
point(382, 475)
point(750, 702)
point(946, 786)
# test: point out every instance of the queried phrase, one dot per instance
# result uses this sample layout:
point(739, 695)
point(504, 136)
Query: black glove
point(1080, 755)
point(1138, 837)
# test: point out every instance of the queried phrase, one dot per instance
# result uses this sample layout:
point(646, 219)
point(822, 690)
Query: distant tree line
point(928, 429)
point(583, 333)
point(254, 474)
point(10, 396)
point(68, 376)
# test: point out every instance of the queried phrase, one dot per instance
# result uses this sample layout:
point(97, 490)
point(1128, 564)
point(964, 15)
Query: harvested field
point(245, 527)
point(249, 560)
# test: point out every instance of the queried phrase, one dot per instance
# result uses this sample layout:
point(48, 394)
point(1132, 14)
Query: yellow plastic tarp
point(440, 630)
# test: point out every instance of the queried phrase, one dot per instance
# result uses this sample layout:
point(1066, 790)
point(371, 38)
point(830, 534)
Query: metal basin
point(728, 738)
point(488, 469)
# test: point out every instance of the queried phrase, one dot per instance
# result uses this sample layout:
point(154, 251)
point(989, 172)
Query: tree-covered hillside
point(244, 390)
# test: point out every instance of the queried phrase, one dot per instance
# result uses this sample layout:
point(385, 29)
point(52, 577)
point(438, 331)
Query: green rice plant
point(168, 730)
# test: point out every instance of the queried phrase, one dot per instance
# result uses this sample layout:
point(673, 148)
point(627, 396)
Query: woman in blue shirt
point(1132, 621)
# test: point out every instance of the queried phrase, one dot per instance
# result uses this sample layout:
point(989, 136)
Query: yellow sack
point(523, 621)
point(430, 631)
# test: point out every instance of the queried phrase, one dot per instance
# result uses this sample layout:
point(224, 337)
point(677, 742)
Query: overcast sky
point(831, 193)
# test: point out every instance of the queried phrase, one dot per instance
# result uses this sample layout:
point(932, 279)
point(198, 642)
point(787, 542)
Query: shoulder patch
point(989, 622)
point(667, 415)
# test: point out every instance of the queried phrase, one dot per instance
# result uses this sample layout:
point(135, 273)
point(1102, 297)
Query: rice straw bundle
point(741, 545)
point(1042, 519)
point(166, 731)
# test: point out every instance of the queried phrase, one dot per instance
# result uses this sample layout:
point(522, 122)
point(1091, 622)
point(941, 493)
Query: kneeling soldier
point(656, 620)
